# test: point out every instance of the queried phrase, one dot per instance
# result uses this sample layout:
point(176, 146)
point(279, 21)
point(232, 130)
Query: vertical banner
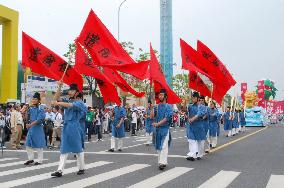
point(244, 88)
point(261, 100)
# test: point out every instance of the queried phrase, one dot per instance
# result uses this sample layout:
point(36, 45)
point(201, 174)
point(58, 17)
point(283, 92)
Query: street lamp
point(118, 18)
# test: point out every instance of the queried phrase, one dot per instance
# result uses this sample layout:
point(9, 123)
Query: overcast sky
point(247, 35)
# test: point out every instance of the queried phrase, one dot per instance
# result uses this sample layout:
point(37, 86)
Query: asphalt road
point(254, 159)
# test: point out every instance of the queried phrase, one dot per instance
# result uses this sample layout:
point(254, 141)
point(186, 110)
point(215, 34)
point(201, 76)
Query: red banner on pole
point(244, 88)
point(260, 94)
point(275, 107)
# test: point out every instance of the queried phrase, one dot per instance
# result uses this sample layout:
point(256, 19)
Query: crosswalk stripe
point(26, 169)
point(162, 178)
point(8, 159)
point(14, 163)
point(31, 179)
point(276, 181)
point(104, 176)
point(141, 140)
point(220, 180)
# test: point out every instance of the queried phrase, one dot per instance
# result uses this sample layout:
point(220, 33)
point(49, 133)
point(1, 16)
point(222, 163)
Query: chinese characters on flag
point(43, 61)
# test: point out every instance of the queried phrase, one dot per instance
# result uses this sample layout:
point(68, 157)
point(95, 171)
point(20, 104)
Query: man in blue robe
point(118, 131)
point(162, 114)
point(36, 138)
point(213, 124)
point(205, 122)
point(149, 127)
point(235, 121)
point(195, 128)
point(71, 139)
point(227, 119)
point(242, 120)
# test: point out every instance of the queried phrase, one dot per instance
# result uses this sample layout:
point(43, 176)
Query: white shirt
point(50, 116)
point(58, 120)
point(134, 118)
point(2, 121)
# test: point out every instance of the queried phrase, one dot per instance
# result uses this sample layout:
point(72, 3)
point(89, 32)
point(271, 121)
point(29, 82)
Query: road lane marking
point(162, 178)
point(8, 159)
point(32, 179)
point(104, 176)
point(275, 181)
point(236, 140)
point(14, 163)
point(220, 180)
point(29, 168)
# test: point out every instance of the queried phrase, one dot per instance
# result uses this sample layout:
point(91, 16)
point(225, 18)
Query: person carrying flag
point(71, 139)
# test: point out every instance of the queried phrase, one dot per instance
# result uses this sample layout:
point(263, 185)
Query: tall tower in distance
point(166, 39)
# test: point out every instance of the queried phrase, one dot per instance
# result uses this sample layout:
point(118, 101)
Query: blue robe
point(242, 119)
point(213, 122)
point(205, 121)
point(227, 121)
point(119, 112)
point(82, 122)
point(162, 111)
point(196, 130)
point(71, 139)
point(236, 120)
point(149, 127)
point(36, 137)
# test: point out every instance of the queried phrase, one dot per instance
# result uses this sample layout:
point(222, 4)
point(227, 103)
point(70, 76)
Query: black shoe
point(147, 144)
point(162, 166)
point(37, 163)
point(198, 158)
point(119, 150)
point(29, 162)
point(111, 150)
point(207, 152)
point(190, 158)
point(80, 172)
point(56, 174)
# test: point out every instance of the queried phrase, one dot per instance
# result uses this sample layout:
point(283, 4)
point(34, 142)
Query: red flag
point(194, 61)
point(85, 66)
point(105, 49)
point(116, 78)
point(214, 60)
point(157, 76)
point(43, 61)
point(196, 83)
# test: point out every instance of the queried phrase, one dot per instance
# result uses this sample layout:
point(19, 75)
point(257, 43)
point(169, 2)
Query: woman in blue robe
point(71, 139)
point(35, 139)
